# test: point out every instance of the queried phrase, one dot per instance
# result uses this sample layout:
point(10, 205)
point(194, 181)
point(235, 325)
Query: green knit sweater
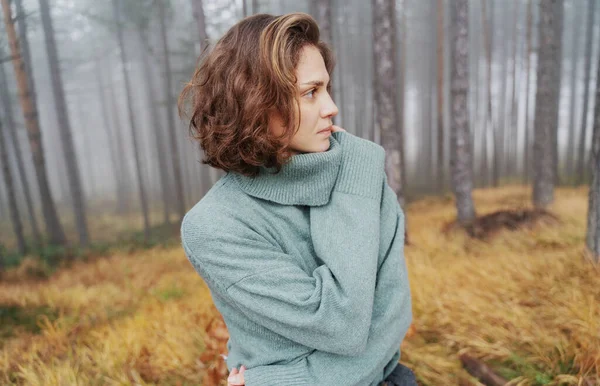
point(307, 267)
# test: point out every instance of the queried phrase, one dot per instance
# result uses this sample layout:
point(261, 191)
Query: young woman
point(301, 242)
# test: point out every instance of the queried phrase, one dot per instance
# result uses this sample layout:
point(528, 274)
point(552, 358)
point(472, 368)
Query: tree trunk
point(338, 74)
point(547, 98)
point(54, 228)
point(12, 133)
point(64, 126)
point(439, 176)
point(132, 125)
point(170, 115)
point(198, 13)
point(12, 198)
point(500, 123)
point(384, 54)
point(321, 9)
point(3, 212)
point(527, 144)
point(207, 174)
point(158, 138)
point(460, 150)
point(22, 26)
point(428, 103)
point(118, 144)
point(108, 130)
point(24, 43)
point(568, 165)
point(488, 122)
point(513, 133)
point(402, 46)
point(581, 166)
point(88, 161)
point(593, 220)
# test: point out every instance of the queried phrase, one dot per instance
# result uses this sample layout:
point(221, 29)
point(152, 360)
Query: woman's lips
point(325, 130)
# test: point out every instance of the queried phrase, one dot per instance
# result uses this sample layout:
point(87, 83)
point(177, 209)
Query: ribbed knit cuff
point(363, 167)
point(278, 375)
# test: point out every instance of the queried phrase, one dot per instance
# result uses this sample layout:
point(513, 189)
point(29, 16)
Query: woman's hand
point(335, 128)
point(236, 378)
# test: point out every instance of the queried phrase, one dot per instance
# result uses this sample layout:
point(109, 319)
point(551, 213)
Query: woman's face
point(316, 106)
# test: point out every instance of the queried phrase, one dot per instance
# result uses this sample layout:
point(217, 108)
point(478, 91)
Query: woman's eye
point(311, 93)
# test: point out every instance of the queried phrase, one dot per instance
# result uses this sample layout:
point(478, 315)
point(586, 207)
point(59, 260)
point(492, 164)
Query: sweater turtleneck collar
point(307, 179)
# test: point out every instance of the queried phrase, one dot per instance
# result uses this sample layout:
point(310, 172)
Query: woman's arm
point(328, 309)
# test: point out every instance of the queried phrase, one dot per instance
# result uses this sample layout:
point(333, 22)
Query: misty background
point(503, 42)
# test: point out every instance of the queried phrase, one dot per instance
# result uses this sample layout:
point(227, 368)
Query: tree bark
point(593, 219)
point(198, 13)
point(402, 46)
point(120, 194)
point(529, 49)
point(88, 162)
point(569, 162)
point(132, 124)
point(54, 228)
point(124, 176)
point(64, 126)
point(338, 74)
point(581, 167)
point(207, 174)
point(170, 115)
point(12, 198)
point(321, 9)
point(439, 176)
point(384, 51)
point(24, 42)
point(499, 122)
point(488, 123)
point(428, 104)
point(3, 213)
point(460, 150)
point(547, 101)
point(13, 134)
point(513, 133)
point(158, 140)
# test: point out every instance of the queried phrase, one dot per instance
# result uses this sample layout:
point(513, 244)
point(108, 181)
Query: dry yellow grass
point(526, 303)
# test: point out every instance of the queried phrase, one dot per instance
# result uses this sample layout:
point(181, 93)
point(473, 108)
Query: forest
point(489, 114)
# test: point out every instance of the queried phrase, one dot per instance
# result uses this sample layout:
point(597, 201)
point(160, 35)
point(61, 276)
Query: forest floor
point(524, 302)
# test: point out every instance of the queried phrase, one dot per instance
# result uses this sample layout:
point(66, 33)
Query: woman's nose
point(329, 109)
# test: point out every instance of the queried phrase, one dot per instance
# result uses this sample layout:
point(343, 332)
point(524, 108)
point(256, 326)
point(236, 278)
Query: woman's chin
point(319, 145)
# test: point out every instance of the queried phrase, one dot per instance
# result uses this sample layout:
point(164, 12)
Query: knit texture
point(307, 267)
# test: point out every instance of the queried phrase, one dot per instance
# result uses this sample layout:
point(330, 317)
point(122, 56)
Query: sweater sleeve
point(328, 309)
point(392, 303)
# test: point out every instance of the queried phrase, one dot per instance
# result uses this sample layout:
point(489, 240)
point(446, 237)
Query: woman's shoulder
point(220, 206)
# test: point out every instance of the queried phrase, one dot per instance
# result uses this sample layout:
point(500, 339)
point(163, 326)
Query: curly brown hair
point(249, 74)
